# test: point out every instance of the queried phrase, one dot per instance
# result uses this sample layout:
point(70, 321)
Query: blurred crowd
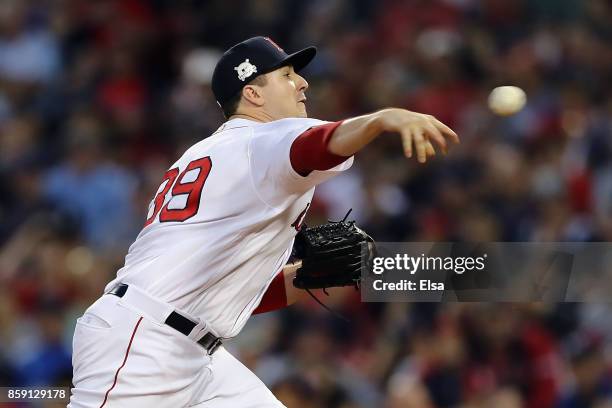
point(98, 98)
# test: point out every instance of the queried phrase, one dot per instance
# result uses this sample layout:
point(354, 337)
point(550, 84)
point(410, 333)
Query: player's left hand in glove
point(332, 255)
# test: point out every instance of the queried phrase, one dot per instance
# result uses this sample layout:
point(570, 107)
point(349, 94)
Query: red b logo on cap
point(274, 44)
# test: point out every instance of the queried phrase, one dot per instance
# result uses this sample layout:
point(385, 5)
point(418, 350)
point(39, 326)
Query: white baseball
point(507, 100)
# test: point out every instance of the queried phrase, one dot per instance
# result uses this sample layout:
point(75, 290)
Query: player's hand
point(418, 131)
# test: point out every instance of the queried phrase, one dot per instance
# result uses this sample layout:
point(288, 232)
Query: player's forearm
point(355, 133)
point(417, 130)
point(292, 293)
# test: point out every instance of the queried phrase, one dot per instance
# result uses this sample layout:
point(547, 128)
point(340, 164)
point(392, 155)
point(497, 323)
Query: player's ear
point(253, 94)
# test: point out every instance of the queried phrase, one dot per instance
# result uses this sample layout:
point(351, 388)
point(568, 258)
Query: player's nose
point(302, 83)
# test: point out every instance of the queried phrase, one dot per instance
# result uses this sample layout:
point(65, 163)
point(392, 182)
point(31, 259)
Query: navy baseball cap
point(253, 57)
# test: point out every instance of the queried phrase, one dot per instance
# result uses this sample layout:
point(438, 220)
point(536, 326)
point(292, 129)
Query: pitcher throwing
point(218, 235)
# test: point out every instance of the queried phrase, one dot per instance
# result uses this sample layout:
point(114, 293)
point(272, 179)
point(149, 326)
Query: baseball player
point(218, 235)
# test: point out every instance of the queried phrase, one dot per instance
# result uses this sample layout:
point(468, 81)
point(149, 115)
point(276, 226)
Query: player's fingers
point(419, 144)
point(445, 129)
point(429, 149)
point(436, 135)
point(407, 142)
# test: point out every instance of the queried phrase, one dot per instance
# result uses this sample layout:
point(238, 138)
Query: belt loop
point(198, 331)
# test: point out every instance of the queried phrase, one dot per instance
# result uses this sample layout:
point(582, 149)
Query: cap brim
point(300, 59)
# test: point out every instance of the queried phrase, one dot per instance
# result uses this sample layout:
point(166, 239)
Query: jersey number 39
point(193, 190)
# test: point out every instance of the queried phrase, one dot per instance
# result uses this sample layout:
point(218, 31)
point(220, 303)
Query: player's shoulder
point(289, 123)
point(286, 126)
point(235, 134)
point(296, 122)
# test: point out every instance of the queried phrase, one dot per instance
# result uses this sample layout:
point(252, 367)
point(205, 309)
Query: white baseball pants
point(122, 357)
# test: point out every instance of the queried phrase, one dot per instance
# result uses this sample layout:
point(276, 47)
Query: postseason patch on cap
point(245, 70)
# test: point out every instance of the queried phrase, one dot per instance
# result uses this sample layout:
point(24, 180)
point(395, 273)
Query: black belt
point(179, 322)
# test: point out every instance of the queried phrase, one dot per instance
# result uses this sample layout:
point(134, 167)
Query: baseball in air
point(507, 100)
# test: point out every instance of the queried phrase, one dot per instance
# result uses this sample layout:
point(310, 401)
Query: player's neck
point(256, 116)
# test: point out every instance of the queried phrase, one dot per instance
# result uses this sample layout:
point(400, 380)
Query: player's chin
point(302, 113)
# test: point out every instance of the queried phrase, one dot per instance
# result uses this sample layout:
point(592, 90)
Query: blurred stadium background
point(97, 99)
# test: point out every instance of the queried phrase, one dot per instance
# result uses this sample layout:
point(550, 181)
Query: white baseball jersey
point(220, 226)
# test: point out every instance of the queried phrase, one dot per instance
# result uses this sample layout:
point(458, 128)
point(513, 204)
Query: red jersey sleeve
point(275, 296)
point(309, 150)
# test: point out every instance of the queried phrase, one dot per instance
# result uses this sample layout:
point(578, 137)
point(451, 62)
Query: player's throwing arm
point(416, 129)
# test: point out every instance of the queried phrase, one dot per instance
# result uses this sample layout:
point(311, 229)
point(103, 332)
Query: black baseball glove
point(331, 254)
